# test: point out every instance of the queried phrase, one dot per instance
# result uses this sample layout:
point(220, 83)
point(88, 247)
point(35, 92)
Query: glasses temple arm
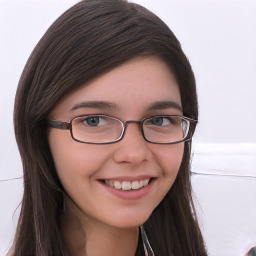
point(59, 124)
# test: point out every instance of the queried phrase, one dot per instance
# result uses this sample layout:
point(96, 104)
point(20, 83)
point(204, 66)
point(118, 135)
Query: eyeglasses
point(103, 129)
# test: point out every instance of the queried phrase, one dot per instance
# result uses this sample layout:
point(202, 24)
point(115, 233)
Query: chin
point(131, 221)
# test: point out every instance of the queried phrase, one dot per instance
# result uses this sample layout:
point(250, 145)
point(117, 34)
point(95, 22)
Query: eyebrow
point(95, 104)
point(158, 105)
point(166, 104)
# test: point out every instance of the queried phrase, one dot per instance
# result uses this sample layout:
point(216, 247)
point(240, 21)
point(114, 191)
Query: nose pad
point(132, 148)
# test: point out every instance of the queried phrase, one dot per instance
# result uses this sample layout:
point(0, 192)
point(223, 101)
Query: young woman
point(104, 115)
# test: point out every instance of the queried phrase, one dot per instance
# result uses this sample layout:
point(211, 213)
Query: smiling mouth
point(127, 185)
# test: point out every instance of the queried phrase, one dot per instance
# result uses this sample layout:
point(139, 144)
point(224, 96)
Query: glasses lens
point(96, 129)
point(165, 129)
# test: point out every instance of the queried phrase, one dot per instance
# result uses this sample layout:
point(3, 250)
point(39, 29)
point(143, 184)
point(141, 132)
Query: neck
point(113, 242)
point(94, 238)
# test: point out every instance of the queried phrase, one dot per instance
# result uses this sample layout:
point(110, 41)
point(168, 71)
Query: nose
point(133, 148)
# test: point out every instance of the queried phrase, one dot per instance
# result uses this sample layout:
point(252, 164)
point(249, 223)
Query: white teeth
point(111, 183)
point(145, 182)
point(127, 185)
point(136, 185)
point(117, 184)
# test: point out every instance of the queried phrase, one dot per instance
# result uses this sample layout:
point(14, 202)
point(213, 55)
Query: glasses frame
point(63, 125)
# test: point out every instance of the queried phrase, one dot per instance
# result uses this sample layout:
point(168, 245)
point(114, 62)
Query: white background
point(219, 38)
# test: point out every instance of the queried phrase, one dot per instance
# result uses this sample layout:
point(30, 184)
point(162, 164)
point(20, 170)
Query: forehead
point(134, 84)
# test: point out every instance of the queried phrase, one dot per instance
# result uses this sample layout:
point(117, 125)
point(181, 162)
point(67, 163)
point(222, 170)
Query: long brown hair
point(89, 39)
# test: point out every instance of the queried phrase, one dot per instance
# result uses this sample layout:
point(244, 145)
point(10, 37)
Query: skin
point(108, 220)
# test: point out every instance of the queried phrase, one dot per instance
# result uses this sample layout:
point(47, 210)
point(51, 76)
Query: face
point(133, 91)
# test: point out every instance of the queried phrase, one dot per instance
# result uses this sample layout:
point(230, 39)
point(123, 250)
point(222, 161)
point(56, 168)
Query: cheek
point(73, 160)
point(169, 157)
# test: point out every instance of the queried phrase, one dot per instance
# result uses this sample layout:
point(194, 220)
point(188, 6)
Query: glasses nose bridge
point(132, 122)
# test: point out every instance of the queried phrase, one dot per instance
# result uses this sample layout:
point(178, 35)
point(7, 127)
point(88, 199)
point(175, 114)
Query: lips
point(126, 184)
point(127, 187)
